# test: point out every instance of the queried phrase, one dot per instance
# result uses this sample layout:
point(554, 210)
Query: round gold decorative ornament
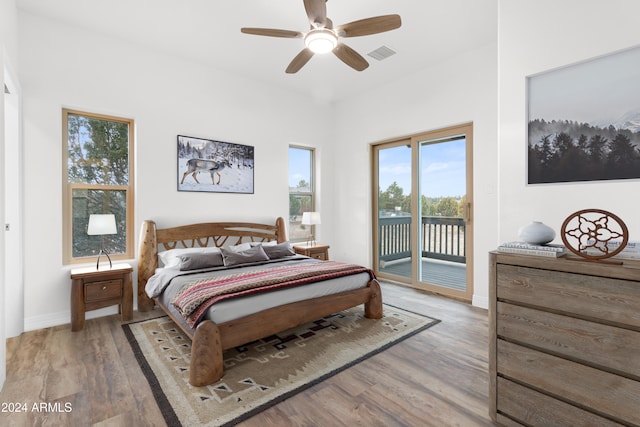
point(594, 234)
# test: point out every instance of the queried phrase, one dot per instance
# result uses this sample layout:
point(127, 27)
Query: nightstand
point(314, 251)
point(92, 289)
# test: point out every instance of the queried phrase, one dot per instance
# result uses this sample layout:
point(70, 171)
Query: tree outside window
point(98, 179)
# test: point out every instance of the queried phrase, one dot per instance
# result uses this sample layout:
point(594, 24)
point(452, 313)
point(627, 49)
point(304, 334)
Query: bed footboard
point(373, 308)
point(206, 355)
point(210, 339)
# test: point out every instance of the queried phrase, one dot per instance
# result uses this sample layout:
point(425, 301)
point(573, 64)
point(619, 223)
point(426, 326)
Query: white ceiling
point(208, 31)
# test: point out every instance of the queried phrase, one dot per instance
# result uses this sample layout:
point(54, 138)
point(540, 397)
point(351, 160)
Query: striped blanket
point(195, 298)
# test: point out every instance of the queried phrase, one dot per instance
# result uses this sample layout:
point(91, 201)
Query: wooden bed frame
point(209, 339)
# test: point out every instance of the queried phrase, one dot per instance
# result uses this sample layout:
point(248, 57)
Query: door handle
point(467, 212)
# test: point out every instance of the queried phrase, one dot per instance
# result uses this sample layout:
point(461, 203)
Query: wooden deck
point(447, 274)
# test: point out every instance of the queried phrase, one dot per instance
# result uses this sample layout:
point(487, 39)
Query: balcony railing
point(440, 238)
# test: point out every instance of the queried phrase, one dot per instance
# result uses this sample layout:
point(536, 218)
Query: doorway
point(422, 228)
point(12, 224)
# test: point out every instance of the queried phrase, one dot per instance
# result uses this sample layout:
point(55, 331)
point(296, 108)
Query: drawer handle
point(104, 288)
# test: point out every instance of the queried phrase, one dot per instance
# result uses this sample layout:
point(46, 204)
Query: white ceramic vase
point(536, 233)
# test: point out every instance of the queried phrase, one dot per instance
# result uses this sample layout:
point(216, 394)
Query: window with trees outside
point(97, 179)
point(301, 191)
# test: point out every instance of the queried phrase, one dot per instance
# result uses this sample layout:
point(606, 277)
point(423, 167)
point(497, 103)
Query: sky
point(598, 91)
point(443, 168)
point(299, 166)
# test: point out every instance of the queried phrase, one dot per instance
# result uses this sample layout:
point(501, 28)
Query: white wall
point(462, 89)
point(8, 61)
point(62, 66)
point(539, 36)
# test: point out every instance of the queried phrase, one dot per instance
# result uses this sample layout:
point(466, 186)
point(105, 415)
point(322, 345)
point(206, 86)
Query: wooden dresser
point(564, 342)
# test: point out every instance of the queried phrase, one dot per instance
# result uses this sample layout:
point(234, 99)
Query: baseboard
point(62, 318)
point(480, 301)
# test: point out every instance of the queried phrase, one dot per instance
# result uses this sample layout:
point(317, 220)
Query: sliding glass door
point(394, 218)
point(422, 211)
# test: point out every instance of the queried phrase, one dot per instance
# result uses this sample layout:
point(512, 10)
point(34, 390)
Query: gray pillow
point(253, 254)
point(280, 250)
point(197, 261)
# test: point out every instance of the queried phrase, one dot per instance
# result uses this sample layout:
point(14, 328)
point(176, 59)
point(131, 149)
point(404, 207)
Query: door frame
point(12, 212)
point(414, 141)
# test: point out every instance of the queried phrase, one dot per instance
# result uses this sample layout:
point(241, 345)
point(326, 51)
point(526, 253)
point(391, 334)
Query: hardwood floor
point(435, 378)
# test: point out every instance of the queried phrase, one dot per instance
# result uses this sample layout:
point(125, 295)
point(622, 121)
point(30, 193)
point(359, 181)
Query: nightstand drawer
point(101, 291)
point(319, 255)
point(320, 252)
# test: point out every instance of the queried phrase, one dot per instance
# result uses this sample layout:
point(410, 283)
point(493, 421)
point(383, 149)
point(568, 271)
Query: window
point(97, 179)
point(301, 191)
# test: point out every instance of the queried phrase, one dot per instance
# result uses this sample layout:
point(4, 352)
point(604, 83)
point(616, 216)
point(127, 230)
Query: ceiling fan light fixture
point(321, 40)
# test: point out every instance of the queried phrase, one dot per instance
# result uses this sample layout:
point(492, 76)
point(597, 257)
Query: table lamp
point(311, 218)
point(100, 225)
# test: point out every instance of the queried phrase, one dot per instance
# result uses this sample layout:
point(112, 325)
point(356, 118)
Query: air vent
point(383, 52)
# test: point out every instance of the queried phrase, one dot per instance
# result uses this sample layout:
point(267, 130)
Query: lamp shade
point(311, 218)
point(102, 224)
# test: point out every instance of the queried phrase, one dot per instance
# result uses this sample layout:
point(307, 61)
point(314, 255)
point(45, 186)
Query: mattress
point(166, 283)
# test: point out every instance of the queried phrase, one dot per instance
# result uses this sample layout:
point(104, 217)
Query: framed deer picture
point(214, 166)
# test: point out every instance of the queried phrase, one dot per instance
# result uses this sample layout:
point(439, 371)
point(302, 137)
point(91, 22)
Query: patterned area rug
point(265, 372)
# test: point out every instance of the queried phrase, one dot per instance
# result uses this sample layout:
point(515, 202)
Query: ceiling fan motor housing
point(321, 40)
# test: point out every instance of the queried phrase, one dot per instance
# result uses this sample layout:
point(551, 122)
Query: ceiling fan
point(324, 38)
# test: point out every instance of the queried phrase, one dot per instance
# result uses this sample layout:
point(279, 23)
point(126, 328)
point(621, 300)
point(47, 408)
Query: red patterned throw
point(195, 298)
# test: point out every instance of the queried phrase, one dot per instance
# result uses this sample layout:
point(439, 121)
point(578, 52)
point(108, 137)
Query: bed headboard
point(153, 239)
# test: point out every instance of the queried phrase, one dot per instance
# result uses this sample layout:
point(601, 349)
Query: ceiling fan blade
point(299, 61)
point(317, 12)
point(271, 32)
point(350, 57)
point(368, 26)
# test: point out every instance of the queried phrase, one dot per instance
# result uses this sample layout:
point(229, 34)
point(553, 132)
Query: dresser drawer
point(608, 394)
point(615, 301)
point(588, 342)
point(101, 291)
point(535, 409)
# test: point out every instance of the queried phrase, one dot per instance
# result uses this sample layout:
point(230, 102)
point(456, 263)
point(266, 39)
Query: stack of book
point(549, 250)
point(630, 251)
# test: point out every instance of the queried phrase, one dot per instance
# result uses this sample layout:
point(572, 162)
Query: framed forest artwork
point(214, 166)
point(584, 121)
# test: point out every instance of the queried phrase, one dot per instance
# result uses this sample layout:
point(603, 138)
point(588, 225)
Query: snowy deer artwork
point(216, 158)
point(214, 168)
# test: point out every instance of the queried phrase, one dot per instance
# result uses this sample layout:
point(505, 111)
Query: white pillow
point(171, 258)
point(268, 243)
point(239, 248)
